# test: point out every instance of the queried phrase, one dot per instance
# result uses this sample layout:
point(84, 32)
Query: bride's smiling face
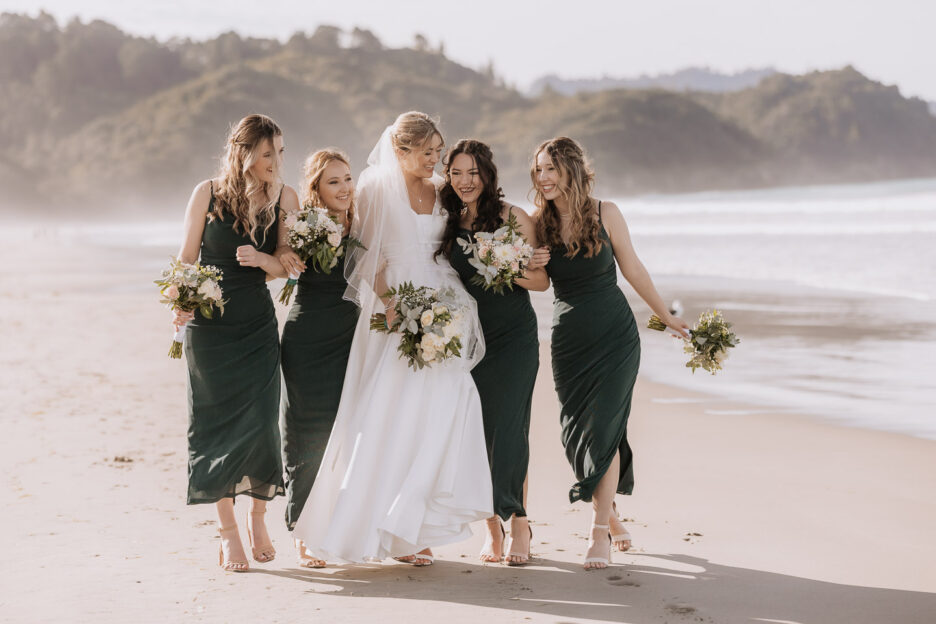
point(421, 161)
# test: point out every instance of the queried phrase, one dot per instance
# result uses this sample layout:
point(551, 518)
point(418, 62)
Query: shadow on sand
point(650, 588)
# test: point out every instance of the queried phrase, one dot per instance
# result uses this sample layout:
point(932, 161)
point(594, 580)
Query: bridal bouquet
point(315, 236)
point(708, 341)
point(499, 257)
point(189, 287)
point(429, 320)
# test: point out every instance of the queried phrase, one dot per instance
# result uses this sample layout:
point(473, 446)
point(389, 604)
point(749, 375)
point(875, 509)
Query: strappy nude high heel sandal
point(262, 553)
point(601, 562)
point(224, 560)
point(305, 560)
point(420, 560)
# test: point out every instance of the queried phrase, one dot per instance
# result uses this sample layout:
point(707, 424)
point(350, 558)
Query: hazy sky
point(893, 41)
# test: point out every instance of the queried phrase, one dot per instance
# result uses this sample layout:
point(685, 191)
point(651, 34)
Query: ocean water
point(874, 238)
point(832, 290)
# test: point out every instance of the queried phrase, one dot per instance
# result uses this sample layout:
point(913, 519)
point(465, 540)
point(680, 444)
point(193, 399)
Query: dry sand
point(739, 515)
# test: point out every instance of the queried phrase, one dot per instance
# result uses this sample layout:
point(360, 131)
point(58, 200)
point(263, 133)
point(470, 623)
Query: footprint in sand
point(680, 609)
point(618, 581)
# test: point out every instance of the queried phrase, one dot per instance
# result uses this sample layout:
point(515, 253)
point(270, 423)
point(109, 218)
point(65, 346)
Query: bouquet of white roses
point(189, 287)
point(429, 321)
point(315, 236)
point(708, 341)
point(500, 257)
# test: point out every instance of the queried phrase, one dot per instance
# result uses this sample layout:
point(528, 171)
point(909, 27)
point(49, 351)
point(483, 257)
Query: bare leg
point(620, 536)
point(232, 557)
point(493, 549)
point(599, 546)
point(260, 543)
point(518, 552)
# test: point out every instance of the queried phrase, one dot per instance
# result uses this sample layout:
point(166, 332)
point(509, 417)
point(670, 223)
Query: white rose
point(209, 290)
point(451, 330)
point(427, 345)
point(334, 239)
point(301, 228)
point(427, 318)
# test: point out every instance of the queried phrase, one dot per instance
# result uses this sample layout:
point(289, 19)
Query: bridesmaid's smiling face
point(550, 179)
point(465, 178)
point(420, 161)
point(336, 187)
point(268, 157)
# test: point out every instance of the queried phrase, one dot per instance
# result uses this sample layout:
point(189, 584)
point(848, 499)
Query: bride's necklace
point(419, 195)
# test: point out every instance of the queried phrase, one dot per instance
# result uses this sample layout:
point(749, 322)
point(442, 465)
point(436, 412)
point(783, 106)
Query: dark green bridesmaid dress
point(315, 347)
point(505, 379)
point(595, 356)
point(234, 377)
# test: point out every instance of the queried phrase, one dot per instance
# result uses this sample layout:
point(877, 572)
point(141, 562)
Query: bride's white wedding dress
point(406, 465)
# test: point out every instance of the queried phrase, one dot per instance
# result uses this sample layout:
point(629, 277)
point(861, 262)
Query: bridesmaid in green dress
point(316, 341)
point(472, 200)
point(595, 346)
point(233, 359)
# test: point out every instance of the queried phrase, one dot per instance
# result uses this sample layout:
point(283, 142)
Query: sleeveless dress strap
point(599, 211)
point(210, 215)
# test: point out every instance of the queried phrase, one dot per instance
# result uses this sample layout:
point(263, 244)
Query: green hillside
point(109, 120)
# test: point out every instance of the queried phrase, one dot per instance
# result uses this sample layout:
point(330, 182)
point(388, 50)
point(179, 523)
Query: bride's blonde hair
point(250, 201)
point(412, 130)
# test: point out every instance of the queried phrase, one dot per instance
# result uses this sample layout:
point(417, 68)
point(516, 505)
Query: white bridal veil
point(397, 248)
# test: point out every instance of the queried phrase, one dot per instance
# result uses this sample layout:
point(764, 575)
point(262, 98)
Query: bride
point(406, 465)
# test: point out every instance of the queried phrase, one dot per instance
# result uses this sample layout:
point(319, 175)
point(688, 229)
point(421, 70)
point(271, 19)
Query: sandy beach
point(740, 514)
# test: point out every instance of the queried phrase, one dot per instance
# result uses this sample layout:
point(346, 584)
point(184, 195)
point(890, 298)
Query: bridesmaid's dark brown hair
point(490, 206)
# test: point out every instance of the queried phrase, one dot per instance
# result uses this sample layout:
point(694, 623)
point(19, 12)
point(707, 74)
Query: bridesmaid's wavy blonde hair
point(249, 200)
point(312, 172)
point(585, 230)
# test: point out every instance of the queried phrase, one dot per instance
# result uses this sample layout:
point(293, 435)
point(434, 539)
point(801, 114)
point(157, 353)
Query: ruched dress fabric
point(315, 346)
point(406, 465)
point(595, 357)
point(505, 379)
point(234, 377)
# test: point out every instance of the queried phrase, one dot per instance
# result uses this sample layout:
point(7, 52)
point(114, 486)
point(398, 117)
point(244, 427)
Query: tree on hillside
point(326, 37)
point(25, 43)
point(365, 40)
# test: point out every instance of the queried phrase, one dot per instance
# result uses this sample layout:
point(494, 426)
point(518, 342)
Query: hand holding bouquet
point(708, 341)
point(189, 287)
point(500, 257)
point(429, 320)
point(315, 236)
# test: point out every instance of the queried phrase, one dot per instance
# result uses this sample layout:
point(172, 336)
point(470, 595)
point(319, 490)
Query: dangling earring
point(464, 206)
